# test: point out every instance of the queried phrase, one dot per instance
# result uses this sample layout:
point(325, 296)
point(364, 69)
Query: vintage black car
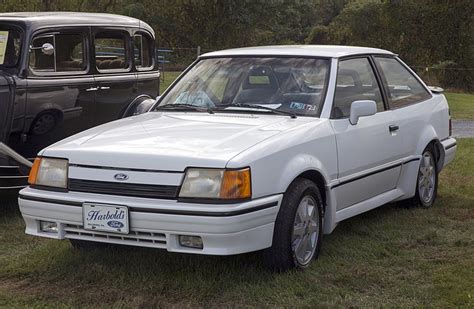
point(61, 73)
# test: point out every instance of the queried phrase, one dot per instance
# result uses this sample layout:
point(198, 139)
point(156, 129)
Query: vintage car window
point(10, 46)
point(142, 51)
point(111, 51)
point(295, 85)
point(68, 55)
point(355, 81)
point(403, 88)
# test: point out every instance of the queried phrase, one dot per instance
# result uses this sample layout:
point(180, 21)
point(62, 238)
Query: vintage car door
point(367, 152)
point(114, 73)
point(148, 76)
point(60, 95)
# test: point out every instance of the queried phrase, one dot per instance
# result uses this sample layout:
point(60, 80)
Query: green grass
point(166, 79)
point(391, 256)
point(461, 105)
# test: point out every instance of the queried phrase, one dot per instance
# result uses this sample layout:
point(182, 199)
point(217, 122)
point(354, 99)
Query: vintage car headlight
point(49, 172)
point(216, 184)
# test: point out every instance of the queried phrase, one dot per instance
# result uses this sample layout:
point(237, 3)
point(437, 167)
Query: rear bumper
point(450, 146)
point(224, 229)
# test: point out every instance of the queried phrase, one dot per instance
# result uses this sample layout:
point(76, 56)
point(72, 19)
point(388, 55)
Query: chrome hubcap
point(426, 178)
point(305, 230)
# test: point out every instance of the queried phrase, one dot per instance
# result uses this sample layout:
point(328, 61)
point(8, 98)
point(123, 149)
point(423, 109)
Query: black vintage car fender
point(13, 169)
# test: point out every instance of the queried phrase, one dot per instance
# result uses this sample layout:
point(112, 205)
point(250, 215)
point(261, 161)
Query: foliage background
point(438, 35)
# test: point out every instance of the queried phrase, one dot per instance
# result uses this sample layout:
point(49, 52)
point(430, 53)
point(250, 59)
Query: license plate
point(105, 218)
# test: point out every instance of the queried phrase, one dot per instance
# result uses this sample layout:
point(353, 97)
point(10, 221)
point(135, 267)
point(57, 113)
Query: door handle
point(393, 128)
point(92, 89)
point(104, 88)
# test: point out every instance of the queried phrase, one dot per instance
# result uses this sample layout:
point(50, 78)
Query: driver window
point(355, 81)
point(68, 54)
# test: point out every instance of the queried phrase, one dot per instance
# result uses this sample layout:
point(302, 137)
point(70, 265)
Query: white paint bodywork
point(363, 166)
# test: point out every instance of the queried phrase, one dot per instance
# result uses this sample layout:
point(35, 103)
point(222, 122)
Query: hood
point(171, 141)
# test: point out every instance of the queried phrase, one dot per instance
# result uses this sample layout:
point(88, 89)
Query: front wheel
point(298, 229)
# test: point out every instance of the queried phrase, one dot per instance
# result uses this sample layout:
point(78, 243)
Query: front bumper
point(225, 229)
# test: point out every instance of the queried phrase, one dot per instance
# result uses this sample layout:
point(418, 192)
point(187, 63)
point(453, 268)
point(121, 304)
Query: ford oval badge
point(115, 224)
point(121, 177)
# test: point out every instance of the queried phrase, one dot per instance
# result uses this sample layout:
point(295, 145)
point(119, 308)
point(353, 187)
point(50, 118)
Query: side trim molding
point(345, 182)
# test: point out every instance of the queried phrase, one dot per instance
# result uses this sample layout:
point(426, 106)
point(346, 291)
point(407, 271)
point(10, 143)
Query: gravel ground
point(463, 128)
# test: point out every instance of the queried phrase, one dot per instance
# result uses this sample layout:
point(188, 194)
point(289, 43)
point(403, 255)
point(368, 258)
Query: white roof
point(332, 51)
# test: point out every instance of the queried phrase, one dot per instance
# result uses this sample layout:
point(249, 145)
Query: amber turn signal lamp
point(34, 171)
point(236, 184)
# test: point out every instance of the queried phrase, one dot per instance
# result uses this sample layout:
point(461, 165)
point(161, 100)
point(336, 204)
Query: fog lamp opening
point(48, 227)
point(190, 241)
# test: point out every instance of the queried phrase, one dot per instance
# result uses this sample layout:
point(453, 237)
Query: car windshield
point(10, 44)
point(286, 85)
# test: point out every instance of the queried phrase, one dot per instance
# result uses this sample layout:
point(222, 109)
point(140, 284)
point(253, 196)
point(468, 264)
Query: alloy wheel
point(426, 178)
point(305, 230)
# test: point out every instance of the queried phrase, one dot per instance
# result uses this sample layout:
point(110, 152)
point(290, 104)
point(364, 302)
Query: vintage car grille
point(124, 189)
point(143, 239)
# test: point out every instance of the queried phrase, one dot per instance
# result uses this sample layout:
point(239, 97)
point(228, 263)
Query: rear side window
point(111, 51)
point(403, 88)
point(58, 53)
point(355, 81)
point(143, 51)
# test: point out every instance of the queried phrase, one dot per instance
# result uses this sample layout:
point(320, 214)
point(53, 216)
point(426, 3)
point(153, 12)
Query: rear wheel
point(427, 181)
point(298, 229)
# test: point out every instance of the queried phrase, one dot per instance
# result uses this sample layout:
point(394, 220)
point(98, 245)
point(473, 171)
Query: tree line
point(436, 37)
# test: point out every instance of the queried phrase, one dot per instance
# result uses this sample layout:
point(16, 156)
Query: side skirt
point(367, 205)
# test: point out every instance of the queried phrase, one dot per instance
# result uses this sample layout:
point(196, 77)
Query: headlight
point(49, 172)
point(216, 184)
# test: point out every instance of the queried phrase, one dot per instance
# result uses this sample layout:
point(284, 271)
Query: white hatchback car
point(250, 149)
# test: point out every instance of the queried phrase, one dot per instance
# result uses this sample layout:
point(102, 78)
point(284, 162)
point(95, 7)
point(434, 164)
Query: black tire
point(44, 123)
point(280, 256)
point(417, 200)
point(84, 245)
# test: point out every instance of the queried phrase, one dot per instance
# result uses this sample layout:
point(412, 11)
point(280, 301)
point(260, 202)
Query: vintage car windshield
point(290, 85)
point(10, 44)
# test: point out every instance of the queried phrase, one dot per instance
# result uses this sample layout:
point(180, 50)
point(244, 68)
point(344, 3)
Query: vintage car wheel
point(298, 229)
point(44, 123)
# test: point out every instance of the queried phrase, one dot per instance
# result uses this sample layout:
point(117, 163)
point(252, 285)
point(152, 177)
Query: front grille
point(124, 189)
point(134, 238)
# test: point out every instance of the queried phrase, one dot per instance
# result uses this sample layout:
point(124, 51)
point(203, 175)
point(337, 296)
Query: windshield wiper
point(183, 106)
point(255, 106)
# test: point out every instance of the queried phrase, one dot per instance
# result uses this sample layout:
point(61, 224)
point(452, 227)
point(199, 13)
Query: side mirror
point(143, 107)
point(46, 48)
point(362, 108)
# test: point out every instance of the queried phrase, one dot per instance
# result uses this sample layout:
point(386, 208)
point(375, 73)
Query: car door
point(367, 152)
point(410, 101)
point(59, 83)
point(114, 74)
